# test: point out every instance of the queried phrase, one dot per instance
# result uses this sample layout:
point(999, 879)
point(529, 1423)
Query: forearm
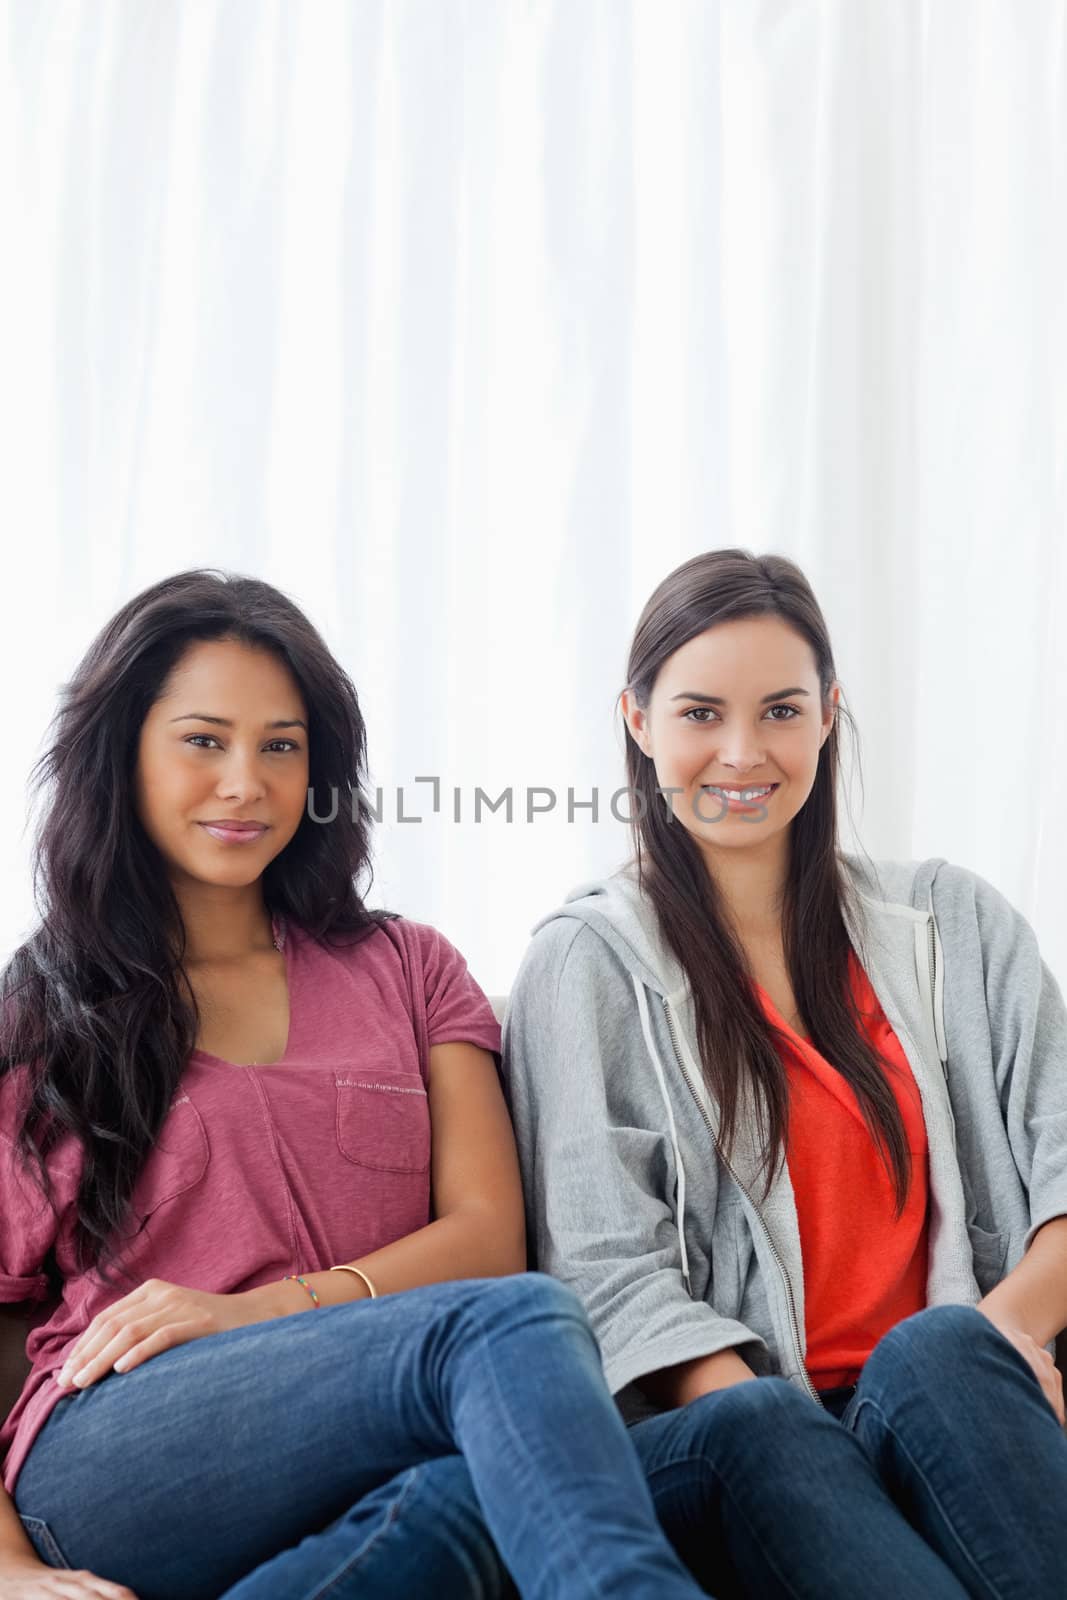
point(1033, 1296)
point(15, 1548)
point(465, 1244)
point(688, 1380)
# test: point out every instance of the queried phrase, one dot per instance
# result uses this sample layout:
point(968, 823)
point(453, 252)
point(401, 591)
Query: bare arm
point(1033, 1296)
point(14, 1545)
point(13, 1541)
point(676, 1386)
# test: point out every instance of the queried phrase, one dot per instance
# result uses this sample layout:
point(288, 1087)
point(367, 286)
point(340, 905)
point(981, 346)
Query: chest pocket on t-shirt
point(178, 1160)
point(384, 1122)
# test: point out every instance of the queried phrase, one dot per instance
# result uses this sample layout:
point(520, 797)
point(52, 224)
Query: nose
point(739, 752)
point(241, 780)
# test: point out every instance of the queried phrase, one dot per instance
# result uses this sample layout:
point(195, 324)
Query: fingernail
point(63, 1376)
point(81, 1378)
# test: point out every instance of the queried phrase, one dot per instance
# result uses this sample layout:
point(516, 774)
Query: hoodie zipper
point(793, 1318)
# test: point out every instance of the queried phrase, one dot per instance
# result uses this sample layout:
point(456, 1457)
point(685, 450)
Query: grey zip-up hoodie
point(674, 1252)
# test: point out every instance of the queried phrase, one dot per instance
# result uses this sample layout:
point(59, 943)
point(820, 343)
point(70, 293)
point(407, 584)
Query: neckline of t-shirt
point(788, 1026)
point(860, 981)
point(282, 942)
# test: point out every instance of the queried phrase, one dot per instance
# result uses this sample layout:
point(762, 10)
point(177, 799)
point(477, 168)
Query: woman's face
point(737, 707)
point(225, 743)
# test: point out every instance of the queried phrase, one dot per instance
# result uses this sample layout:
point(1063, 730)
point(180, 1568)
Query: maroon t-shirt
point(317, 1158)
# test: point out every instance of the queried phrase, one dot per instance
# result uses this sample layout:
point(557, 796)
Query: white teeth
point(741, 794)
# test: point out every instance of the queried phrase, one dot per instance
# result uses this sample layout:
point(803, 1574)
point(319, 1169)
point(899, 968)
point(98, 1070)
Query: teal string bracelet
point(294, 1277)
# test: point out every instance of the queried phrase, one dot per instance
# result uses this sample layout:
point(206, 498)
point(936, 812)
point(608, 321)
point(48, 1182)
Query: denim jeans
point(946, 1476)
point(332, 1452)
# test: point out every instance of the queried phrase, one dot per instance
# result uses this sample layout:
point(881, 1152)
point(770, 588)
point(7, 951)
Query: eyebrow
point(225, 722)
point(717, 700)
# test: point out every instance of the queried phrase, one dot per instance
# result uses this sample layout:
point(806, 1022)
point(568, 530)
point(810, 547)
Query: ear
point(636, 721)
point(830, 716)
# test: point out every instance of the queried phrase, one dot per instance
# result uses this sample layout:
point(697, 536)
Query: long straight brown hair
point(739, 1056)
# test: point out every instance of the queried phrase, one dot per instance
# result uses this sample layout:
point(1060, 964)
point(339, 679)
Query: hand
point(155, 1317)
point(30, 1579)
point(1041, 1363)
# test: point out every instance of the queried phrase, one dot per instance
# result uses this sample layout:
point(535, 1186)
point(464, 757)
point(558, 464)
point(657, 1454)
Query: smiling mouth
point(741, 797)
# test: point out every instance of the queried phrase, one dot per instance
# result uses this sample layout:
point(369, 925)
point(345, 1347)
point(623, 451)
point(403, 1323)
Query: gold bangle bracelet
point(359, 1274)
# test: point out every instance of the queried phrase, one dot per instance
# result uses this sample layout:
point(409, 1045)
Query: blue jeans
point(332, 1452)
point(945, 1477)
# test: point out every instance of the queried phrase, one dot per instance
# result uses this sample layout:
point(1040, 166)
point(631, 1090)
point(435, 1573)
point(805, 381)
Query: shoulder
point(388, 939)
point(421, 943)
point(419, 953)
point(961, 893)
point(565, 960)
point(969, 910)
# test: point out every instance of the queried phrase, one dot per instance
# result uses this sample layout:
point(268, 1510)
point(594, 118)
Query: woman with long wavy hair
point(255, 1154)
point(789, 1115)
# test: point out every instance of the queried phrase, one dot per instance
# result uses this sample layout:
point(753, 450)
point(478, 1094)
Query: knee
point(928, 1343)
point(529, 1297)
point(763, 1421)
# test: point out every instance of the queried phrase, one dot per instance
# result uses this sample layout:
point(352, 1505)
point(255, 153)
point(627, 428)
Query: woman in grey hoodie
point(785, 1114)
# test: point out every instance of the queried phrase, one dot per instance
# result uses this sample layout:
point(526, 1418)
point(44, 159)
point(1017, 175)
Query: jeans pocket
point(43, 1540)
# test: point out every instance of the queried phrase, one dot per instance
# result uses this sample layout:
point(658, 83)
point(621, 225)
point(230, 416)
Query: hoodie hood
point(618, 909)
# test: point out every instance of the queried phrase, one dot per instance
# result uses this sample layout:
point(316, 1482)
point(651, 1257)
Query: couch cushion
point(15, 1324)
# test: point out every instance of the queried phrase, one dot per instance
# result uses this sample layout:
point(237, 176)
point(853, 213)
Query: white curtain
point(464, 321)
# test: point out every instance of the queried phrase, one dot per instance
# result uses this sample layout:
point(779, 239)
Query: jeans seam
point(517, 1439)
point(990, 1588)
point(351, 1561)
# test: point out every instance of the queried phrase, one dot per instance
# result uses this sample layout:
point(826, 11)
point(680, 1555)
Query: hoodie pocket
point(989, 1251)
point(731, 1256)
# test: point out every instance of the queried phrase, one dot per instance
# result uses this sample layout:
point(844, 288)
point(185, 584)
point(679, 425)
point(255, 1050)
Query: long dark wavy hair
point(737, 1041)
point(93, 1003)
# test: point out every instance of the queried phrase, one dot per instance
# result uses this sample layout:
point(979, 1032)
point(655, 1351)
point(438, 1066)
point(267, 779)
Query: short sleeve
point(456, 1007)
point(29, 1225)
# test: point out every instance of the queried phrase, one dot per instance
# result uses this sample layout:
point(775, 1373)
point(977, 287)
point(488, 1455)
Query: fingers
point(102, 1328)
point(88, 1584)
point(1042, 1365)
point(66, 1585)
point(161, 1339)
point(1048, 1375)
point(100, 1353)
